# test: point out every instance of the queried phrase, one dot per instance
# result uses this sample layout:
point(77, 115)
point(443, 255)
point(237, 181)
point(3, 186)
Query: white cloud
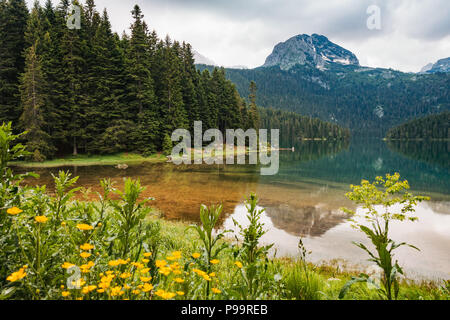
point(236, 32)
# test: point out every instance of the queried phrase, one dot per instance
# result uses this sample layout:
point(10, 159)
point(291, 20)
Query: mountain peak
point(315, 50)
point(442, 65)
point(201, 59)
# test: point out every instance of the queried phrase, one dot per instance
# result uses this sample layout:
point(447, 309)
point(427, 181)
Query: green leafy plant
point(251, 254)
point(209, 238)
point(130, 214)
point(383, 201)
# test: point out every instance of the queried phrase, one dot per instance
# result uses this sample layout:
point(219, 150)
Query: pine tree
point(253, 111)
point(33, 90)
point(189, 82)
point(13, 22)
point(170, 96)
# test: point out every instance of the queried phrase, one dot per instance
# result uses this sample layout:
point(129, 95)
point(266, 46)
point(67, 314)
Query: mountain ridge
point(315, 50)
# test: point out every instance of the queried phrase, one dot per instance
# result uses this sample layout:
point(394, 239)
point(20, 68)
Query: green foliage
point(350, 96)
point(252, 255)
point(211, 245)
point(382, 201)
point(129, 214)
point(294, 127)
point(63, 245)
point(433, 127)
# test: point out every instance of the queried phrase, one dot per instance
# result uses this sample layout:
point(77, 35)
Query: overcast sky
point(244, 32)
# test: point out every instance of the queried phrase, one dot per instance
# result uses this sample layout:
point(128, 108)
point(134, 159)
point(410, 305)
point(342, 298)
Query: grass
point(88, 160)
point(323, 281)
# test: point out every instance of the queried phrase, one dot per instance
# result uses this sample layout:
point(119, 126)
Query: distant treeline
point(294, 127)
point(433, 127)
point(90, 90)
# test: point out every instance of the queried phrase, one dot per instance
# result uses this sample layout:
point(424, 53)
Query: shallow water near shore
point(304, 198)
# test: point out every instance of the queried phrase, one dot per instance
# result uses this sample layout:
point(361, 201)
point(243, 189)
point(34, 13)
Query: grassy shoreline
point(86, 160)
point(329, 276)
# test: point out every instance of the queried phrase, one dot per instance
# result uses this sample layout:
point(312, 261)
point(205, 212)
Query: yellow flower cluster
point(86, 268)
point(14, 211)
point(204, 275)
point(115, 263)
point(84, 227)
point(41, 219)
point(86, 247)
point(165, 294)
point(18, 275)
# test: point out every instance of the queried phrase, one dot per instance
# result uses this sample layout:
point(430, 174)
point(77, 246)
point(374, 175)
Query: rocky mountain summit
point(442, 65)
point(315, 50)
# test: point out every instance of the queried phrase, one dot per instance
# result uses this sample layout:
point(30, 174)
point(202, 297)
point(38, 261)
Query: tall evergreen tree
point(253, 111)
point(33, 90)
point(141, 100)
point(13, 23)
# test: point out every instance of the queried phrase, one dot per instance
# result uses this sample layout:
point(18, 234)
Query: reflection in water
point(304, 198)
point(432, 152)
point(304, 221)
point(431, 234)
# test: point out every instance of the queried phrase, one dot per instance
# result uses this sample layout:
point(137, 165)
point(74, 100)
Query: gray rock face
point(442, 65)
point(315, 50)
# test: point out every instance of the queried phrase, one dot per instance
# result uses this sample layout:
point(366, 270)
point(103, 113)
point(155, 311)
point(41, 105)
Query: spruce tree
point(13, 22)
point(33, 98)
point(140, 99)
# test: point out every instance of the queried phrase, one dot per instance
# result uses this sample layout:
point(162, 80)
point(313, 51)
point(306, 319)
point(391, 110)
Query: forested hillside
point(368, 101)
point(434, 127)
point(294, 127)
point(90, 90)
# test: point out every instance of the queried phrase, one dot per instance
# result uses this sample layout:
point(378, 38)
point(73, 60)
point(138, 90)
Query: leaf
point(346, 287)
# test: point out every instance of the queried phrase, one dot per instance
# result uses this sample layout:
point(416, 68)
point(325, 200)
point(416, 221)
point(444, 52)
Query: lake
point(304, 198)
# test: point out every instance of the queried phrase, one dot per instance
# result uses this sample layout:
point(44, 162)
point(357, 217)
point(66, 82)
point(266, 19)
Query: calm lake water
point(303, 200)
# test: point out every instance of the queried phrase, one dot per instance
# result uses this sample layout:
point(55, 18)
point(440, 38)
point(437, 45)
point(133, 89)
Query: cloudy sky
point(244, 32)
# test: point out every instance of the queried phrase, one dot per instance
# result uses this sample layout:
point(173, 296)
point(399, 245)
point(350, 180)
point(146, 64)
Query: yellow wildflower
point(125, 275)
point(206, 277)
point(160, 263)
point(88, 289)
point(84, 227)
point(86, 247)
point(78, 283)
point(67, 265)
point(164, 271)
point(136, 292)
point(145, 260)
point(147, 287)
point(238, 264)
point(18, 275)
point(196, 255)
point(85, 255)
point(115, 263)
point(147, 254)
point(212, 274)
point(117, 291)
point(86, 267)
point(180, 293)
point(146, 279)
point(41, 219)
point(215, 290)
point(138, 265)
point(215, 261)
point(145, 270)
point(65, 294)
point(13, 211)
